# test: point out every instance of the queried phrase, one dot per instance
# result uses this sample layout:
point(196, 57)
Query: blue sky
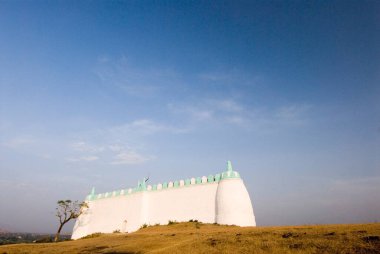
point(104, 93)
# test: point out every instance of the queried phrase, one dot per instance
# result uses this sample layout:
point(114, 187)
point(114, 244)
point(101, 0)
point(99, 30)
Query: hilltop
point(194, 237)
point(21, 237)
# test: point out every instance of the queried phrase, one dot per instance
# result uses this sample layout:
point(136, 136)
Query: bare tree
point(66, 211)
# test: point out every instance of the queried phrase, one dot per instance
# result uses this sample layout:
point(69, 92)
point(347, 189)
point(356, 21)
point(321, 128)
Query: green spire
point(92, 194)
point(229, 173)
point(143, 184)
point(229, 166)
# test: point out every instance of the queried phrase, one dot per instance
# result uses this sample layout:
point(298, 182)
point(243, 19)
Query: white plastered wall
point(224, 202)
point(195, 202)
point(128, 213)
point(124, 213)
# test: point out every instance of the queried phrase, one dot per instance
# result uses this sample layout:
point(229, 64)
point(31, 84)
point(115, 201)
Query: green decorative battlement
point(141, 185)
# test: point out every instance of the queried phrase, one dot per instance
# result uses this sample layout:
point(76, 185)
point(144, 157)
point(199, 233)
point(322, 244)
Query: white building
point(221, 199)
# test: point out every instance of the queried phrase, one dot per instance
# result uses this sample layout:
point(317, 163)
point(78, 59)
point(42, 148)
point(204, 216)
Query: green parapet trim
point(229, 173)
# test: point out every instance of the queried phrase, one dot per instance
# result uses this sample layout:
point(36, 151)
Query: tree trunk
point(58, 232)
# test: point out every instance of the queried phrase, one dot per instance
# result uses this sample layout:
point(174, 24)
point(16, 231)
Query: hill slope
point(193, 237)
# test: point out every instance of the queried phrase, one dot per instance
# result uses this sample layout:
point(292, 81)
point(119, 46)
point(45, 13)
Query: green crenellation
point(141, 186)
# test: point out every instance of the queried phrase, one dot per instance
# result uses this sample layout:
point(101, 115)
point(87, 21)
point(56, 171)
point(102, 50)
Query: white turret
point(233, 205)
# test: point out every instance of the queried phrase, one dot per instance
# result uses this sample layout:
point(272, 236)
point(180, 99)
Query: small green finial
point(143, 184)
point(229, 166)
point(93, 191)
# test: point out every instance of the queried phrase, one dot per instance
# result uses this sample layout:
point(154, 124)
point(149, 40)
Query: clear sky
point(103, 93)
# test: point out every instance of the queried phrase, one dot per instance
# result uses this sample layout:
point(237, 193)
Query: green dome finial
point(93, 191)
point(230, 173)
point(229, 166)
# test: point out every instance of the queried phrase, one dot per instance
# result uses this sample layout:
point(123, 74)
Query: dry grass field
point(194, 237)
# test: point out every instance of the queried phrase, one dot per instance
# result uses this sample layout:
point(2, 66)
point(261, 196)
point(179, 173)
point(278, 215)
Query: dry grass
point(193, 237)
